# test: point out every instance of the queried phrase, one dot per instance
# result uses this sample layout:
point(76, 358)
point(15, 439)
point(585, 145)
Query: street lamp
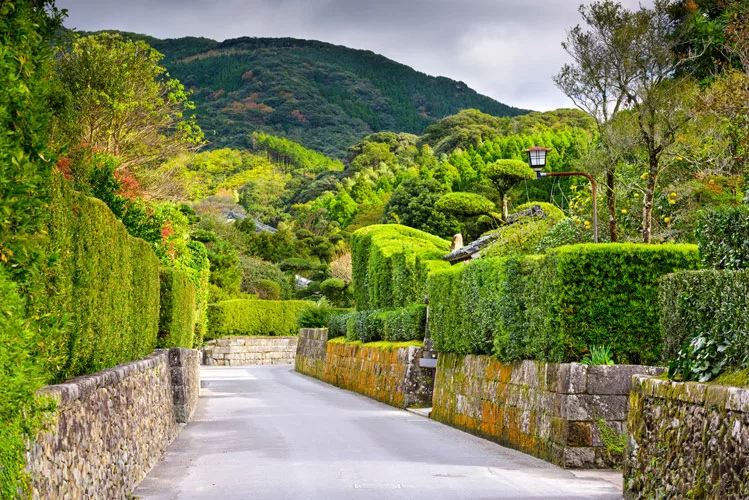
point(537, 161)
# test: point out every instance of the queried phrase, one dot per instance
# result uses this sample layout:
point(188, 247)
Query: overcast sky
point(506, 49)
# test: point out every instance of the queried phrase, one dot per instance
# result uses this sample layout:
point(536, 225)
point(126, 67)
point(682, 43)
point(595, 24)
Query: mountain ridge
point(322, 95)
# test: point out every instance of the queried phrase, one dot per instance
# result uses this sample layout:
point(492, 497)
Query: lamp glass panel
point(537, 158)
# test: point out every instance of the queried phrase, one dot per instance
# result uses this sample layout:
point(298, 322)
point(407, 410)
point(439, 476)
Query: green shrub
point(337, 324)
point(566, 232)
point(178, 310)
point(553, 307)
point(267, 289)
point(705, 318)
point(21, 376)
point(104, 280)
point(723, 238)
point(524, 235)
point(464, 204)
point(408, 323)
point(464, 302)
point(391, 264)
point(254, 317)
point(318, 314)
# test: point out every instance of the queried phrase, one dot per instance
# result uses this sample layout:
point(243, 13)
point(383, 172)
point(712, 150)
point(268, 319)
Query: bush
point(464, 204)
point(391, 264)
point(553, 307)
point(21, 376)
point(723, 238)
point(318, 314)
point(104, 280)
point(408, 323)
point(267, 289)
point(705, 318)
point(254, 317)
point(178, 310)
point(337, 324)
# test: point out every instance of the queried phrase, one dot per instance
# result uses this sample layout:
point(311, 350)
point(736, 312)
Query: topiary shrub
point(390, 264)
point(254, 317)
point(705, 318)
point(336, 291)
point(723, 238)
point(177, 313)
point(525, 235)
point(504, 174)
point(465, 204)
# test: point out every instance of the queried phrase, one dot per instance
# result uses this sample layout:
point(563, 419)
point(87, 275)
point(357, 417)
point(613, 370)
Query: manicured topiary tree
point(467, 208)
point(506, 173)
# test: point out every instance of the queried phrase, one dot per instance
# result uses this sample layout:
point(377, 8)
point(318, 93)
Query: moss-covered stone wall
point(570, 414)
point(687, 440)
point(386, 371)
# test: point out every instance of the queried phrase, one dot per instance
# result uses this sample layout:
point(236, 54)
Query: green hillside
point(325, 97)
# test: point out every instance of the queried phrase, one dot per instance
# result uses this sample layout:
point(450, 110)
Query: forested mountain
point(325, 97)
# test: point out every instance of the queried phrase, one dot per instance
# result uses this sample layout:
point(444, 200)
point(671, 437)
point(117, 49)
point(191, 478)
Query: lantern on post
point(537, 161)
point(537, 158)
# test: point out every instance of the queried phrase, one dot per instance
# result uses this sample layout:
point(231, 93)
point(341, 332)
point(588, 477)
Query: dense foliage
point(723, 238)
point(705, 318)
point(253, 317)
point(391, 264)
point(557, 306)
point(325, 97)
point(177, 310)
point(398, 325)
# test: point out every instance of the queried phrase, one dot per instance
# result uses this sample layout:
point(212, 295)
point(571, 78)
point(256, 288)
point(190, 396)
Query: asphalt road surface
point(267, 432)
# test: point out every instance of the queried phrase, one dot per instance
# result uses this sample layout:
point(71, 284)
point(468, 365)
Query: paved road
point(270, 433)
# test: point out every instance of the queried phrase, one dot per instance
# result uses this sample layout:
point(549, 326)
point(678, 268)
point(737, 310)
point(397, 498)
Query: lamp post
point(537, 161)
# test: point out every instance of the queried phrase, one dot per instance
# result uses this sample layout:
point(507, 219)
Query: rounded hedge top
point(464, 204)
point(552, 212)
point(509, 170)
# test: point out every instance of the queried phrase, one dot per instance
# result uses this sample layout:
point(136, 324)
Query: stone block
point(616, 379)
point(572, 378)
point(579, 434)
point(579, 458)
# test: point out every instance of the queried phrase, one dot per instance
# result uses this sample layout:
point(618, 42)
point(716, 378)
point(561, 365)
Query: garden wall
point(570, 414)
point(111, 427)
point(387, 372)
point(241, 351)
point(687, 440)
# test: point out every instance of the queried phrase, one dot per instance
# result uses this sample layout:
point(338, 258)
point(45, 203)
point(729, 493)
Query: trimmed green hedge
point(254, 317)
point(178, 310)
point(399, 325)
point(391, 264)
point(102, 283)
point(554, 307)
point(723, 237)
point(705, 317)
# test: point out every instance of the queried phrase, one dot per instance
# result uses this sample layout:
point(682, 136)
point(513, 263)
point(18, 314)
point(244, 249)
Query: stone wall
point(687, 440)
point(111, 427)
point(242, 351)
point(570, 414)
point(390, 375)
point(311, 352)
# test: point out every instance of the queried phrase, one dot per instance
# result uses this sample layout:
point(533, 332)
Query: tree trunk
point(647, 207)
point(611, 205)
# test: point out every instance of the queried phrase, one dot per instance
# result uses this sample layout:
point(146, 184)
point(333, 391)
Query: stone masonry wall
point(111, 427)
point(392, 376)
point(570, 414)
point(687, 440)
point(311, 352)
point(242, 351)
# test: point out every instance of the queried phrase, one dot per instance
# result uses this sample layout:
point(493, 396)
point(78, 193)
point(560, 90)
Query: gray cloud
point(506, 49)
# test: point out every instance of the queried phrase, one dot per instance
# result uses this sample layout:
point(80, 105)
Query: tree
point(627, 60)
point(412, 204)
point(506, 173)
point(118, 100)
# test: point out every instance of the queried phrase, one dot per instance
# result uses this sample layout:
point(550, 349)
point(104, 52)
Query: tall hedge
point(102, 283)
point(178, 310)
point(391, 264)
point(554, 307)
point(254, 317)
point(711, 306)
